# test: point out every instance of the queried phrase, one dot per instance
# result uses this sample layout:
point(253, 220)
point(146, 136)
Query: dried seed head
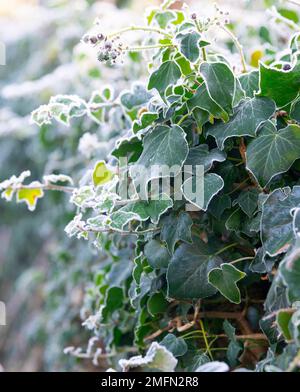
point(86, 38)
point(93, 39)
point(108, 45)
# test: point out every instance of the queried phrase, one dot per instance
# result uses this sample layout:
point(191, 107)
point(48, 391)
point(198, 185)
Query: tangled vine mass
point(192, 281)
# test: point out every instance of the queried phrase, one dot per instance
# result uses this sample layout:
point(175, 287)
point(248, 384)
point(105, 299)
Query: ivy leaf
point(247, 118)
point(224, 279)
point(29, 196)
point(201, 156)
point(130, 148)
point(273, 152)
point(220, 83)
point(248, 200)
point(214, 366)
point(277, 221)
point(283, 318)
point(200, 190)
point(177, 346)
point(163, 147)
point(295, 111)
point(101, 174)
point(289, 270)
point(157, 304)
point(136, 97)
point(157, 357)
point(167, 74)
point(189, 45)
point(202, 100)
point(157, 254)
point(141, 211)
point(114, 298)
point(176, 228)
point(145, 121)
point(188, 271)
point(282, 86)
point(62, 108)
point(219, 204)
point(250, 83)
point(164, 18)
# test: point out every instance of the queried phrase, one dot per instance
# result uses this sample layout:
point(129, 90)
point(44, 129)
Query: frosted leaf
point(157, 357)
point(214, 366)
point(54, 178)
point(83, 197)
point(76, 228)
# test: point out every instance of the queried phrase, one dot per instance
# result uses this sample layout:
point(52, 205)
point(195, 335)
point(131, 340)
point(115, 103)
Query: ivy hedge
point(205, 280)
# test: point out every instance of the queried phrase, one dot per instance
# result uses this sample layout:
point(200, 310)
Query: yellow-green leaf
point(101, 174)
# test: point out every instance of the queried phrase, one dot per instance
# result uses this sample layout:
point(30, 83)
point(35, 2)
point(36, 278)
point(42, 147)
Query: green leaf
point(229, 330)
point(282, 86)
point(283, 318)
point(289, 270)
point(202, 100)
point(200, 190)
point(295, 111)
point(176, 228)
point(220, 83)
point(248, 200)
point(277, 221)
point(167, 74)
point(189, 45)
point(157, 254)
point(101, 174)
point(250, 83)
point(141, 211)
point(273, 152)
point(201, 156)
point(114, 298)
point(145, 121)
point(188, 271)
point(218, 205)
point(224, 279)
point(157, 304)
point(164, 18)
point(177, 346)
point(163, 147)
point(247, 118)
point(136, 97)
point(130, 148)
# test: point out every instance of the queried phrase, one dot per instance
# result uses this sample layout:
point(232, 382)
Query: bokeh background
point(43, 274)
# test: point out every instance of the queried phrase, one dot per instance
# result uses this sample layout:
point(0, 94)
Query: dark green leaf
point(189, 45)
point(188, 271)
point(220, 83)
point(273, 152)
point(167, 74)
point(177, 346)
point(157, 254)
point(200, 190)
point(224, 279)
point(176, 228)
point(277, 221)
point(247, 118)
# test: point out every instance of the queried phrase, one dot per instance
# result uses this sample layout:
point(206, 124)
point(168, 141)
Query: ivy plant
point(206, 276)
